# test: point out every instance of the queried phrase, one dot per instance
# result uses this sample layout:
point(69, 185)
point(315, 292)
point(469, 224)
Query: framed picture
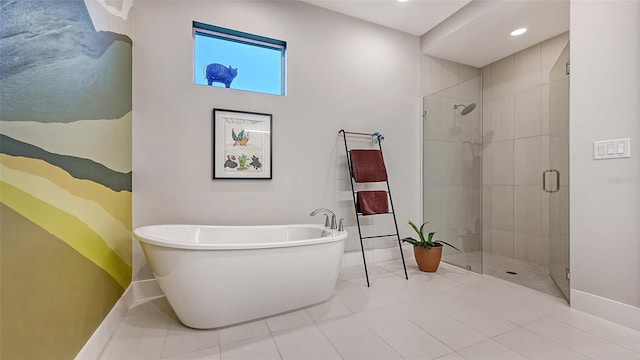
point(241, 145)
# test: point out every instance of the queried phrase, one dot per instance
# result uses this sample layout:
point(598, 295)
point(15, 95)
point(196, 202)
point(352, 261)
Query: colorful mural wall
point(65, 171)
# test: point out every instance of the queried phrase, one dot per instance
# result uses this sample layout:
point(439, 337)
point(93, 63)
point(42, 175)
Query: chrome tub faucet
point(331, 225)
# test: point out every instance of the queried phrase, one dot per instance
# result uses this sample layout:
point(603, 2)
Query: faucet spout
point(333, 224)
point(321, 210)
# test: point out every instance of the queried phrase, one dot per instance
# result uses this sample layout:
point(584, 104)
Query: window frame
point(241, 37)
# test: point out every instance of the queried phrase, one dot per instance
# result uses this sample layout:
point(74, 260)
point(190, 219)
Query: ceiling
point(474, 33)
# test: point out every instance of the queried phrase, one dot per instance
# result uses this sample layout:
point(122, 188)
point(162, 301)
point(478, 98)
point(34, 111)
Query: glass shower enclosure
point(452, 171)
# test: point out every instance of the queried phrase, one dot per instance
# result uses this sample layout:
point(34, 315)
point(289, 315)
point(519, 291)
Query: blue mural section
point(70, 64)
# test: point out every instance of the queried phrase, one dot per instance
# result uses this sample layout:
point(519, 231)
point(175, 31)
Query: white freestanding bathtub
point(215, 276)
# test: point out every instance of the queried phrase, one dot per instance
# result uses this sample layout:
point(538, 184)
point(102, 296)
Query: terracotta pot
point(428, 259)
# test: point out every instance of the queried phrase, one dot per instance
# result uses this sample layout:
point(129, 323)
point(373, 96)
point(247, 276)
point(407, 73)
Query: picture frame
point(241, 145)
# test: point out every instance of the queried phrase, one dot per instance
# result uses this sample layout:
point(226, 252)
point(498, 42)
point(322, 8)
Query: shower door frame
point(558, 186)
point(470, 139)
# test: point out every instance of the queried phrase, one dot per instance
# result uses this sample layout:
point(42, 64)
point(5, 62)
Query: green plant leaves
point(427, 243)
point(419, 232)
point(446, 243)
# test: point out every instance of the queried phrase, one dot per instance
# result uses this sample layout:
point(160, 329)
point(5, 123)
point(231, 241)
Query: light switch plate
point(612, 149)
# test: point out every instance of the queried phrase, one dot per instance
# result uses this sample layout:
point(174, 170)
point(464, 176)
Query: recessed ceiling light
point(402, 0)
point(517, 32)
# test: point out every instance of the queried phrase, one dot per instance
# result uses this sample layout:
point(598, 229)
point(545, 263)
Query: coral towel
point(373, 202)
point(368, 165)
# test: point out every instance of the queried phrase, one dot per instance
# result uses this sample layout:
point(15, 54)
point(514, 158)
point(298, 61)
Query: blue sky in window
point(259, 69)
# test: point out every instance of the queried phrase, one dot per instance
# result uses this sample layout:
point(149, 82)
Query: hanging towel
point(368, 165)
point(373, 202)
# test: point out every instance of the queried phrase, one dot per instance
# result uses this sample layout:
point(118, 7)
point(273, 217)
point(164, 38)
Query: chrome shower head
point(467, 108)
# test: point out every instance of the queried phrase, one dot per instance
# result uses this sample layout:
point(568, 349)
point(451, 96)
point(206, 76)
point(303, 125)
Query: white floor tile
point(433, 285)
point(452, 356)
point(410, 341)
point(453, 333)
point(289, 320)
point(212, 353)
point(356, 273)
point(306, 342)
point(360, 297)
point(243, 331)
point(468, 278)
point(429, 315)
point(536, 347)
point(478, 319)
point(261, 347)
point(181, 339)
point(490, 350)
point(330, 309)
point(354, 340)
point(396, 267)
point(602, 328)
point(581, 341)
point(513, 304)
point(138, 337)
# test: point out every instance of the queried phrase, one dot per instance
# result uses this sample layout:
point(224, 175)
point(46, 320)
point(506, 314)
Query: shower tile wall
point(516, 143)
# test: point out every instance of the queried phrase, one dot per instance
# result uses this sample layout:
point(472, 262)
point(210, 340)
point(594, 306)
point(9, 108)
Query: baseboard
point(136, 292)
point(375, 255)
point(145, 290)
point(623, 314)
point(93, 348)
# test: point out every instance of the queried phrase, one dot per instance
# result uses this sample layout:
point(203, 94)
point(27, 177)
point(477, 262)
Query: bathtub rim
point(139, 235)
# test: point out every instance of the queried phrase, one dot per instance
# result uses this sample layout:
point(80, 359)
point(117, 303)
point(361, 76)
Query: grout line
point(274, 342)
point(591, 334)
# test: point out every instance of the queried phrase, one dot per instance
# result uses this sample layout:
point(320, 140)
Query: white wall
point(605, 194)
point(342, 73)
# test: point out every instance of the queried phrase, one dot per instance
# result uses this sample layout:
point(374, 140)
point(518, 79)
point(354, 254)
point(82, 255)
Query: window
point(238, 60)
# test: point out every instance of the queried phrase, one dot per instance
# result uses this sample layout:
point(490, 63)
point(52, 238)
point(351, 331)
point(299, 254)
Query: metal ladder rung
point(378, 236)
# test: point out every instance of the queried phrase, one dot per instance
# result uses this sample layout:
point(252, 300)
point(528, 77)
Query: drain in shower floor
point(512, 272)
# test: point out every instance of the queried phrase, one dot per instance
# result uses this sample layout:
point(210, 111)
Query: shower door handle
point(557, 180)
point(544, 180)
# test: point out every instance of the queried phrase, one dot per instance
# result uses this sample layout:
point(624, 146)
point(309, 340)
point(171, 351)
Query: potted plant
point(427, 251)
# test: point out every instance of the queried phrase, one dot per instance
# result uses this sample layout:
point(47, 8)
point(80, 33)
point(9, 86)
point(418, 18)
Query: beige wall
point(438, 74)
point(516, 135)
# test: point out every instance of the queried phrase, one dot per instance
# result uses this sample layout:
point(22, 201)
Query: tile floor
point(531, 275)
point(452, 314)
point(528, 274)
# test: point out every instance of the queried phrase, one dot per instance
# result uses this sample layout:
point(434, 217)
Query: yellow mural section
point(116, 203)
point(69, 229)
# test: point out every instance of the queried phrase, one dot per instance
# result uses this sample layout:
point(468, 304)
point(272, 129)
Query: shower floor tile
point(451, 314)
point(527, 274)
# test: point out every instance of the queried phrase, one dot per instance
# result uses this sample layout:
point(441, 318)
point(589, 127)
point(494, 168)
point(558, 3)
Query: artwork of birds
point(255, 162)
point(239, 139)
point(230, 163)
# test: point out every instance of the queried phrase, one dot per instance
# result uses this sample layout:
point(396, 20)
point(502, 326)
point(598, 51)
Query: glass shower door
point(556, 178)
point(452, 171)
